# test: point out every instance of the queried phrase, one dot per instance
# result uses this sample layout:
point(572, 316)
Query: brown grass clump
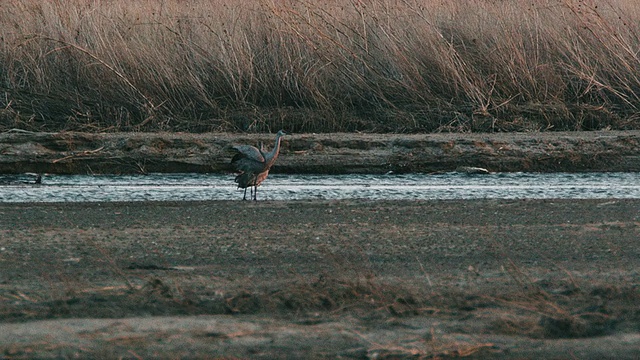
point(382, 65)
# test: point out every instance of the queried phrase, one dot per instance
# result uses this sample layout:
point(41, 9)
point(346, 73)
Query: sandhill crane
point(253, 165)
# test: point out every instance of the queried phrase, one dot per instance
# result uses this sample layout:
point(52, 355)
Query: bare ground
point(117, 153)
point(511, 279)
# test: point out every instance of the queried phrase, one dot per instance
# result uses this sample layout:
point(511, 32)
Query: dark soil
point(509, 279)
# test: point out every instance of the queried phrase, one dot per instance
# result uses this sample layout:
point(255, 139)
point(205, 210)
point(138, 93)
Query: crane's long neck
point(272, 155)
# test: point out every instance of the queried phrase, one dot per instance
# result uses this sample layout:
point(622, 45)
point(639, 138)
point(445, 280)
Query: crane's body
point(253, 165)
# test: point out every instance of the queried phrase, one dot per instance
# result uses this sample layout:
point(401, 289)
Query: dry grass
point(382, 65)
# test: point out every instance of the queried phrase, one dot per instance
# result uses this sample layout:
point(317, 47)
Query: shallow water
point(189, 187)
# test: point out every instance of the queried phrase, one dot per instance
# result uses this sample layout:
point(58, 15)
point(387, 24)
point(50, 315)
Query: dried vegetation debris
point(363, 318)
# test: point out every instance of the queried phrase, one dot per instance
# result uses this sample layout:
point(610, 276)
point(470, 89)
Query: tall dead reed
point(338, 65)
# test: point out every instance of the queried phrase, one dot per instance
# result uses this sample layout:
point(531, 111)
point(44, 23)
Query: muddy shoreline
point(122, 153)
point(478, 279)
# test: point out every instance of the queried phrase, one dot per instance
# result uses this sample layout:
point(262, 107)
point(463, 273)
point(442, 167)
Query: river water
point(189, 187)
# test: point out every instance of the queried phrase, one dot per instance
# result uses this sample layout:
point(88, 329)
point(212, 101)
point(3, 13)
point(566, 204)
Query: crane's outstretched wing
point(248, 151)
point(247, 159)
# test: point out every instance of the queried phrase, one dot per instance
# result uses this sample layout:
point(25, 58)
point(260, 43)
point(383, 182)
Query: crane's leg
point(255, 193)
point(245, 194)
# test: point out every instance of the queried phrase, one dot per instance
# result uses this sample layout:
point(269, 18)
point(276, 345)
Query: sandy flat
point(323, 279)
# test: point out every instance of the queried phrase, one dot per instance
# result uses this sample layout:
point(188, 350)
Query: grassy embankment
point(380, 66)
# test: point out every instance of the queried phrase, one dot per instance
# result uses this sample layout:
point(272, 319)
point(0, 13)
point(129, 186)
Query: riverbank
point(340, 153)
point(357, 279)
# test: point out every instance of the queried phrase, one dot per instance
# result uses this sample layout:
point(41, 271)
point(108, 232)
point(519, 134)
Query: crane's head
point(281, 133)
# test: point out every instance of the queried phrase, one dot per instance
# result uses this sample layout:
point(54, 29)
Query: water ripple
point(189, 187)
